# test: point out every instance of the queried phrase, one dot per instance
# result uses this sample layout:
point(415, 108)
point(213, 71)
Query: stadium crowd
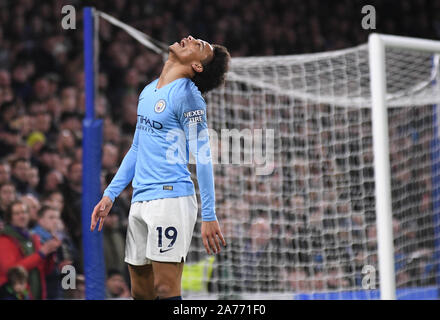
point(41, 112)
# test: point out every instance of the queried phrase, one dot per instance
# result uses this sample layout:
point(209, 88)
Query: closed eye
point(201, 45)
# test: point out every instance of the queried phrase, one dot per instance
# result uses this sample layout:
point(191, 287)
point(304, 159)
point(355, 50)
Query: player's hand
point(211, 236)
point(100, 211)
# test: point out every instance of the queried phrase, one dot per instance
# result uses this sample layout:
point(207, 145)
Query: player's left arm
point(192, 116)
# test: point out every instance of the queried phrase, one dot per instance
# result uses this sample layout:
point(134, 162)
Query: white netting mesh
point(331, 78)
point(310, 225)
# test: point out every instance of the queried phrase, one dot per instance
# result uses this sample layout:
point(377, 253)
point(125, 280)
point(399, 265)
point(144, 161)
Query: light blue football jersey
point(171, 122)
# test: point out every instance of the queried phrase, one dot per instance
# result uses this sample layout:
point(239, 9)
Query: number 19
point(170, 233)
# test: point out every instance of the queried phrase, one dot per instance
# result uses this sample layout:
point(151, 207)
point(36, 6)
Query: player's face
point(192, 51)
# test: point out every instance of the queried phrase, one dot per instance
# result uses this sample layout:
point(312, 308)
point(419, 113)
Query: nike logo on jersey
point(162, 251)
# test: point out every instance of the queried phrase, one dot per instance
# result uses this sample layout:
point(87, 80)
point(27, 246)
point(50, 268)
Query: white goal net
point(308, 229)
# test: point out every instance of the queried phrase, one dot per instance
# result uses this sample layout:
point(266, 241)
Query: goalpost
point(377, 45)
point(351, 209)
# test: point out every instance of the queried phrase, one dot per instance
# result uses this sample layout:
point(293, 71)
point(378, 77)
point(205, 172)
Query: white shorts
point(160, 230)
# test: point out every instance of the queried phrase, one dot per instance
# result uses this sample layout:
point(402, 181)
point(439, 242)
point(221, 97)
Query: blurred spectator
point(116, 286)
point(46, 229)
point(46, 161)
point(71, 214)
point(79, 293)
point(22, 151)
point(7, 196)
point(69, 99)
point(66, 143)
point(41, 89)
point(110, 158)
point(298, 280)
point(68, 251)
point(17, 287)
point(67, 254)
point(112, 132)
point(8, 136)
point(71, 121)
point(336, 278)
point(5, 172)
point(19, 169)
point(317, 280)
point(52, 181)
point(54, 199)
point(33, 204)
point(18, 247)
point(256, 257)
point(21, 74)
point(114, 244)
point(33, 179)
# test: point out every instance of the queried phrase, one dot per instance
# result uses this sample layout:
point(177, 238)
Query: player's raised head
point(209, 62)
point(214, 72)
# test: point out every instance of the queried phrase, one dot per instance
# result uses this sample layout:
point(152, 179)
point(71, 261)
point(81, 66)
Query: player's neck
point(171, 71)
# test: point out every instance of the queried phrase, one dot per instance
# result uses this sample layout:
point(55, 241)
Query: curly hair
point(214, 73)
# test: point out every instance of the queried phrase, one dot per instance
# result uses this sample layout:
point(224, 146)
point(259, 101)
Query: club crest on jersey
point(160, 106)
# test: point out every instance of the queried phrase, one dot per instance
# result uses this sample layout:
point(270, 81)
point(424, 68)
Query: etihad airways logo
point(147, 124)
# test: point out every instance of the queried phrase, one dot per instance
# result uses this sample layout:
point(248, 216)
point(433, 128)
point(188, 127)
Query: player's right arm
point(122, 178)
